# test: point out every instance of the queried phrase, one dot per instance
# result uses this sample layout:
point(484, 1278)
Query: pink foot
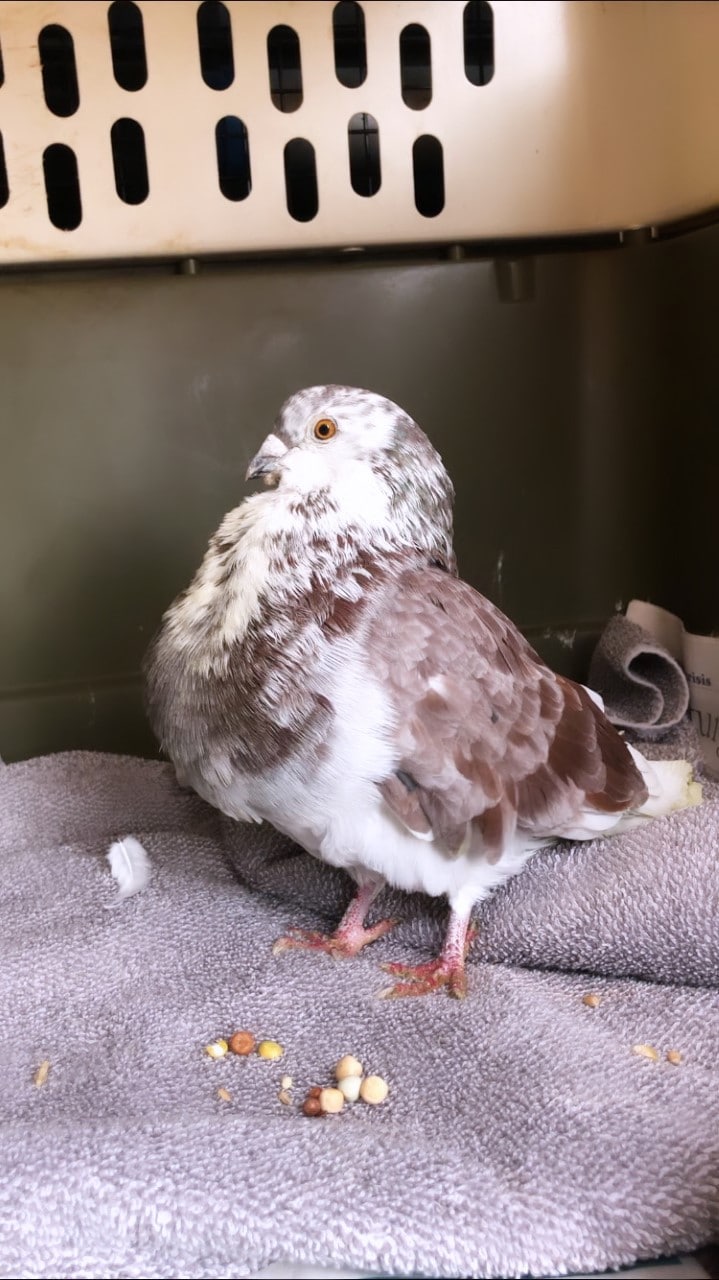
point(422, 979)
point(347, 941)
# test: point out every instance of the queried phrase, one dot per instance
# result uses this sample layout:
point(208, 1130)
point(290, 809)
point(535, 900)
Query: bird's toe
point(423, 979)
point(345, 941)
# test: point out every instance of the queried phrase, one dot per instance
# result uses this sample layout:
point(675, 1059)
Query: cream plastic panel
point(599, 116)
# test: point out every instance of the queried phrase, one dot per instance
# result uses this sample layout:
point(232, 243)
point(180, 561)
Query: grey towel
point(522, 1134)
point(643, 686)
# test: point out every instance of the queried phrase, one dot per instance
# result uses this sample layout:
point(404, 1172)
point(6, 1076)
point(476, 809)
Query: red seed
point(242, 1043)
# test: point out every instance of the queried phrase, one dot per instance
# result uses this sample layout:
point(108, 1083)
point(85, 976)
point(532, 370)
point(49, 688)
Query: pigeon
point(327, 671)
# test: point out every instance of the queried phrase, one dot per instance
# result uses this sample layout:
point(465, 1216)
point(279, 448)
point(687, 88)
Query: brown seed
point(224, 1095)
point(314, 1092)
point(242, 1043)
point(674, 1056)
point(591, 1000)
point(646, 1051)
point(311, 1107)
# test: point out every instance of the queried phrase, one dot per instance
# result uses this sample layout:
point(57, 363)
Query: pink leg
point(446, 971)
point(349, 937)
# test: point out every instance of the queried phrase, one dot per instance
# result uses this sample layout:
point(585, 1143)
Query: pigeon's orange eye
point(325, 429)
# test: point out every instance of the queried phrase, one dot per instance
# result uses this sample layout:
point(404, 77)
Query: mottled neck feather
point(285, 551)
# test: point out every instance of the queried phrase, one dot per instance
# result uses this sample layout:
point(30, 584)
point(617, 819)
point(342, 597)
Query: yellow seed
point(285, 1098)
point(646, 1051)
point(591, 1000)
point(224, 1095)
point(374, 1090)
point(674, 1056)
point(42, 1073)
point(348, 1066)
point(217, 1049)
point(286, 1082)
point(331, 1100)
point(270, 1050)
point(350, 1087)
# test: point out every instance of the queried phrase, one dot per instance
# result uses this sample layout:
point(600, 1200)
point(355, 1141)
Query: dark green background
point(574, 397)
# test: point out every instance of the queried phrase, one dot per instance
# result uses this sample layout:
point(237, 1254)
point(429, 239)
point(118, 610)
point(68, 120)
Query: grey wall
point(579, 424)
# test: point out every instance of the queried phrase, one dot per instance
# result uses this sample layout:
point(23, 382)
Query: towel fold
point(522, 1133)
point(642, 683)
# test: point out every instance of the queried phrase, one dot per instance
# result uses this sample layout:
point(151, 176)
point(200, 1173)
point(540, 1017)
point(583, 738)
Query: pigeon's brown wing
point(486, 733)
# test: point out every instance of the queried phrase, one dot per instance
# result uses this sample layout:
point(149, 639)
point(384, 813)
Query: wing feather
point(486, 733)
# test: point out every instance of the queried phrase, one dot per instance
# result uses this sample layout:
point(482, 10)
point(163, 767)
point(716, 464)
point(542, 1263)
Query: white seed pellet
point(349, 1086)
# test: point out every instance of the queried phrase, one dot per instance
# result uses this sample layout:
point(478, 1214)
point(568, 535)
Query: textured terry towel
point(521, 1133)
point(643, 686)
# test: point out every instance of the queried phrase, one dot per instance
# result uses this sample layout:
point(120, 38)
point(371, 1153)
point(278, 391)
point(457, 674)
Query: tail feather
point(671, 785)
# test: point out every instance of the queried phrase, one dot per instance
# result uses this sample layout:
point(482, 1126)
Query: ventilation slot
point(4, 189)
point(127, 45)
point(214, 34)
point(415, 62)
point(478, 42)
point(62, 187)
point(283, 58)
point(350, 45)
point(301, 180)
point(59, 74)
point(233, 158)
point(129, 159)
point(363, 139)
point(428, 170)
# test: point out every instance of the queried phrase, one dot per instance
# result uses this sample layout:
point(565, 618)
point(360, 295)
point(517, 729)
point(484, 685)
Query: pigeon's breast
point(318, 786)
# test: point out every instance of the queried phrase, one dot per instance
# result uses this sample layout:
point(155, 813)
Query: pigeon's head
point(366, 455)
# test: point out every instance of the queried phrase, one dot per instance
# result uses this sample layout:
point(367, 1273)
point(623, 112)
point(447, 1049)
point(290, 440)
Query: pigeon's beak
point(266, 462)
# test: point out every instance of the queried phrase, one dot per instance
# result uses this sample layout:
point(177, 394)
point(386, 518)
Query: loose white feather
point(129, 865)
